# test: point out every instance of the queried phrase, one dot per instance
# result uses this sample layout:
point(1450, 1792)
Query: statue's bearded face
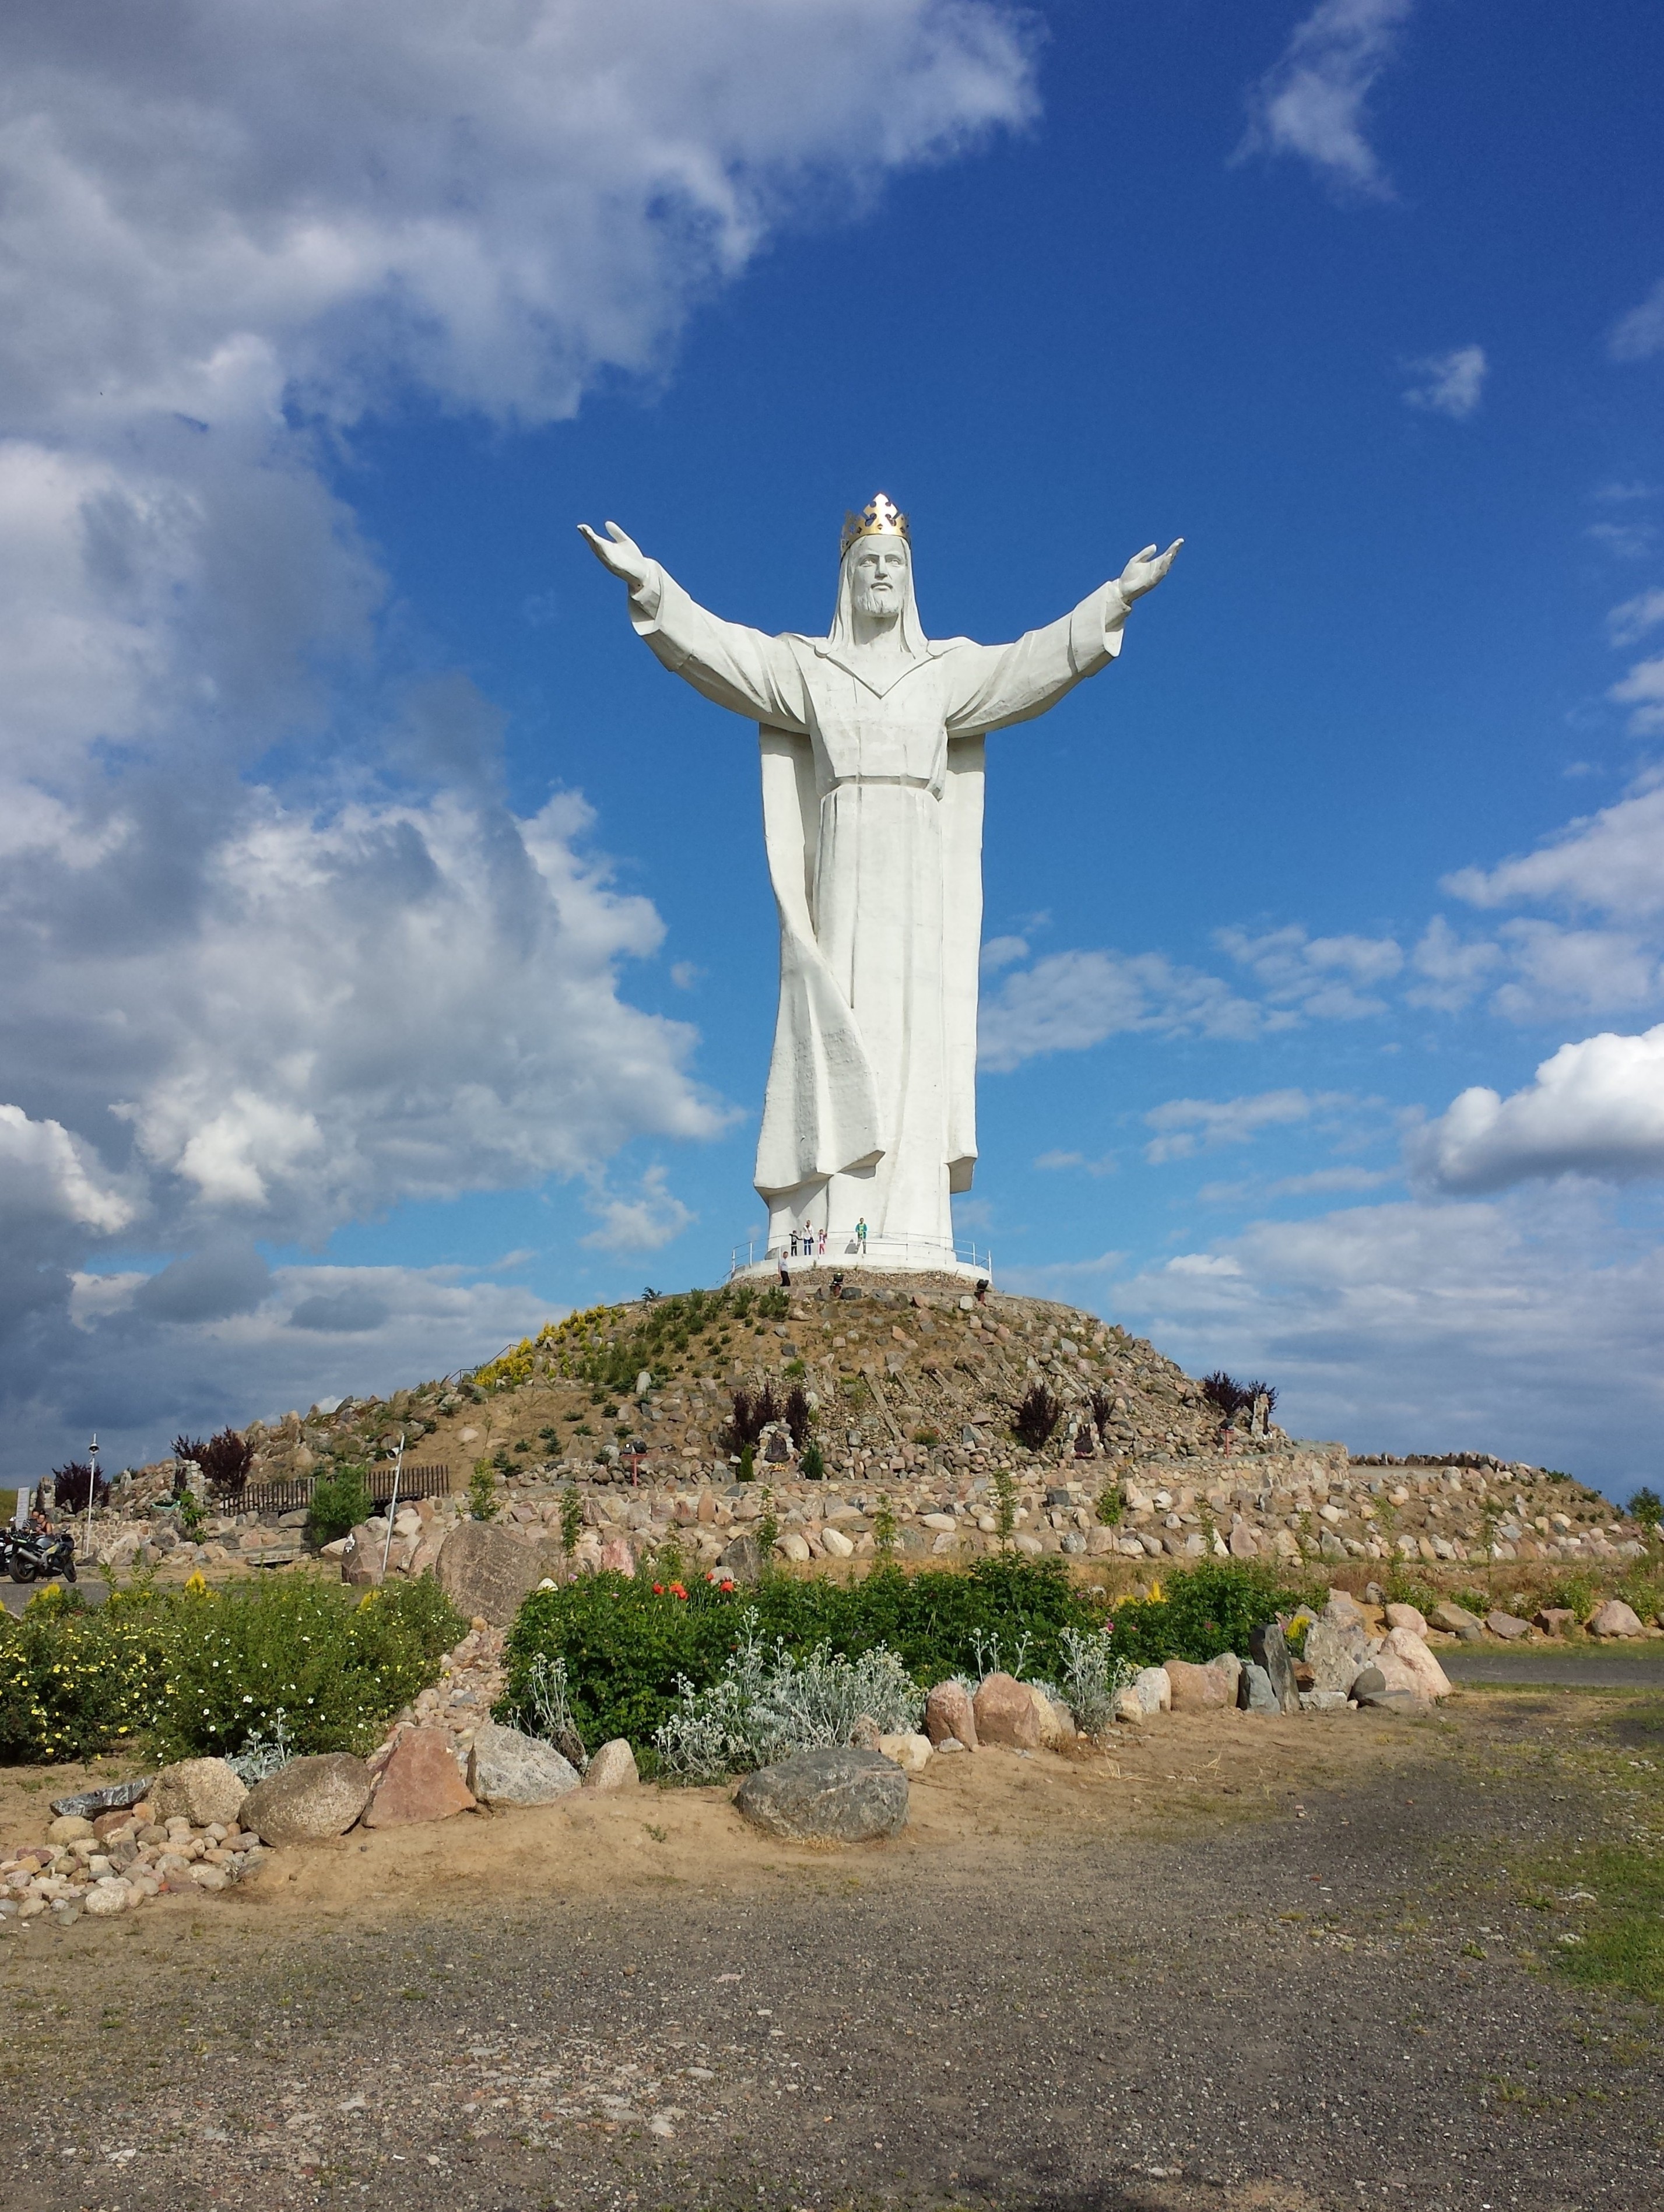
point(879, 581)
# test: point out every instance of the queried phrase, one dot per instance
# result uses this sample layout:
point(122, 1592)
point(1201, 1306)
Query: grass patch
point(1621, 1936)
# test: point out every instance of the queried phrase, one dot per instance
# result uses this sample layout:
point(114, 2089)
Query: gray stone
point(308, 1801)
point(1256, 1692)
point(1335, 1655)
point(1614, 1618)
point(116, 1797)
point(1368, 1686)
point(1456, 1620)
point(1323, 1701)
point(1329, 1547)
point(507, 1768)
point(1343, 1610)
point(1269, 1651)
point(833, 1795)
point(485, 1571)
point(742, 1561)
point(199, 1790)
point(1508, 1626)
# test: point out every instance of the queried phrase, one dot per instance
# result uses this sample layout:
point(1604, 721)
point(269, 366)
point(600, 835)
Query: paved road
point(1623, 1667)
point(1335, 1998)
point(15, 1596)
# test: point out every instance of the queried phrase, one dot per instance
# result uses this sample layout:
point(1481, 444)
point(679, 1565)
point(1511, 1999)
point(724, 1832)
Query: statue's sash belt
point(907, 782)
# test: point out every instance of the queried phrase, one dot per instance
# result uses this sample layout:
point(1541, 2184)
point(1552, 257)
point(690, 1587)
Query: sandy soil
point(1244, 1963)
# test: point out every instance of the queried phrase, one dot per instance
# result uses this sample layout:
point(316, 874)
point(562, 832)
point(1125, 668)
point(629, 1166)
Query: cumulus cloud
point(647, 1222)
point(1592, 1108)
point(1448, 383)
point(227, 237)
point(1312, 102)
point(1324, 978)
point(1611, 863)
point(1642, 689)
point(1186, 1126)
point(1071, 1001)
point(1525, 1325)
point(1639, 335)
point(1626, 624)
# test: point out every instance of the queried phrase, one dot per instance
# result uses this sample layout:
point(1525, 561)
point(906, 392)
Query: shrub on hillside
point(628, 1648)
point(1206, 1609)
point(194, 1673)
point(72, 1482)
point(1037, 1417)
point(340, 1503)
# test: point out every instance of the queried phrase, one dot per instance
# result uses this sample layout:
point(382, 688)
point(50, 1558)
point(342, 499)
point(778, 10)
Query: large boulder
point(836, 1794)
point(1614, 1618)
point(507, 1768)
point(199, 1790)
point(1269, 1649)
point(1336, 1653)
point(948, 1712)
point(1457, 1620)
point(1406, 1616)
point(1005, 1714)
point(1155, 1687)
point(420, 1781)
point(485, 1572)
point(613, 1767)
point(308, 1801)
point(1508, 1626)
point(1200, 1689)
point(1404, 1643)
point(361, 1556)
point(1056, 1721)
point(742, 1559)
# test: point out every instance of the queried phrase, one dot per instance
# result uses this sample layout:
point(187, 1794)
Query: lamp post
point(92, 1488)
point(393, 1504)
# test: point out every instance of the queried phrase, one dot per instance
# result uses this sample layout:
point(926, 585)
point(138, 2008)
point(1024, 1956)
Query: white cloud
point(47, 1173)
point(226, 236)
point(1071, 1001)
point(1572, 971)
point(1627, 624)
point(1611, 862)
point(1328, 1182)
point(653, 1218)
point(1454, 971)
point(1449, 383)
point(1105, 1166)
point(1639, 335)
point(1311, 103)
point(1526, 1326)
point(1644, 690)
point(1003, 952)
point(1594, 1108)
point(1325, 978)
point(1185, 1125)
point(1624, 541)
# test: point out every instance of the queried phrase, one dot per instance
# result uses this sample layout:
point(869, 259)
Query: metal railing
point(906, 1254)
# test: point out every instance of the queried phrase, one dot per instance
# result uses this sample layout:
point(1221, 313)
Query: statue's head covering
point(879, 519)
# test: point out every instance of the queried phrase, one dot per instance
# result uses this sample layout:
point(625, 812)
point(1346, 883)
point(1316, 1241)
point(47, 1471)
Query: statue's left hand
point(1145, 570)
point(620, 553)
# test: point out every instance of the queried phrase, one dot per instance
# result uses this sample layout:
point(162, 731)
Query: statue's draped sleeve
point(992, 686)
point(741, 669)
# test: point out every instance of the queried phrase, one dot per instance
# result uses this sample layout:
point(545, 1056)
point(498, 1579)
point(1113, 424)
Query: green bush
point(1205, 1610)
point(627, 1649)
point(193, 1672)
point(340, 1503)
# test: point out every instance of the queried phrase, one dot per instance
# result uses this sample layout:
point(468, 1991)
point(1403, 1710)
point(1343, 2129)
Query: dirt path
point(1271, 1964)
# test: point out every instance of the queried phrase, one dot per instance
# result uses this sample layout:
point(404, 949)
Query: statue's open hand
point(619, 553)
point(1145, 570)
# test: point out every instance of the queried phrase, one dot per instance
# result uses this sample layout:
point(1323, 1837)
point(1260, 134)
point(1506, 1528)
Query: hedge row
point(194, 1673)
point(628, 1646)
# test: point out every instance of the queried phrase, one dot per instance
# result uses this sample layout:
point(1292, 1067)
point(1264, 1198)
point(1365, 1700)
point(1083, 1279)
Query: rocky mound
point(911, 1389)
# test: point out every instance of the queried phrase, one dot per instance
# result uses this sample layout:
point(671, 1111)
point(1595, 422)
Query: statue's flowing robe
point(872, 811)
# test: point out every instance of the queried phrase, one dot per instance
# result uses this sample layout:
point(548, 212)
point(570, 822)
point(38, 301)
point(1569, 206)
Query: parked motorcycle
point(28, 1556)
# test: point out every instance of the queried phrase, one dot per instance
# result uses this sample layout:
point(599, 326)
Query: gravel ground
point(1333, 1995)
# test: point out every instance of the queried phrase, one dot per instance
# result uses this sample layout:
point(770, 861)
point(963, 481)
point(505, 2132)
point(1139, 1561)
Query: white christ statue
point(872, 756)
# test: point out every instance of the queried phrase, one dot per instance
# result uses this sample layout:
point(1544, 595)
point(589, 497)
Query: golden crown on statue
point(878, 519)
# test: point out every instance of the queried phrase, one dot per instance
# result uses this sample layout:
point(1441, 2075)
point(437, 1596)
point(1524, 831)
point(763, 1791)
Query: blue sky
point(391, 957)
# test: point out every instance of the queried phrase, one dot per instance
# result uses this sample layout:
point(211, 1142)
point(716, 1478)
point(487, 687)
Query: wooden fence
point(414, 1482)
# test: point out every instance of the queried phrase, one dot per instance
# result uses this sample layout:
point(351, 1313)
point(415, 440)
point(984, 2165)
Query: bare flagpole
point(393, 1506)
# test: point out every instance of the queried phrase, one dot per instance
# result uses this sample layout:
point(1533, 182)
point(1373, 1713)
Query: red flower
point(727, 1584)
point(676, 1590)
point(658, 1589)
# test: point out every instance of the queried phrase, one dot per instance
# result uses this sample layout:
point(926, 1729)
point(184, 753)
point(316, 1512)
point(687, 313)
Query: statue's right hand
point(619, 552)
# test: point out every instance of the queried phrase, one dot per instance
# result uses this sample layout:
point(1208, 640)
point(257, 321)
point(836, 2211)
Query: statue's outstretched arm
point(743, 669)
point(999, 684)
